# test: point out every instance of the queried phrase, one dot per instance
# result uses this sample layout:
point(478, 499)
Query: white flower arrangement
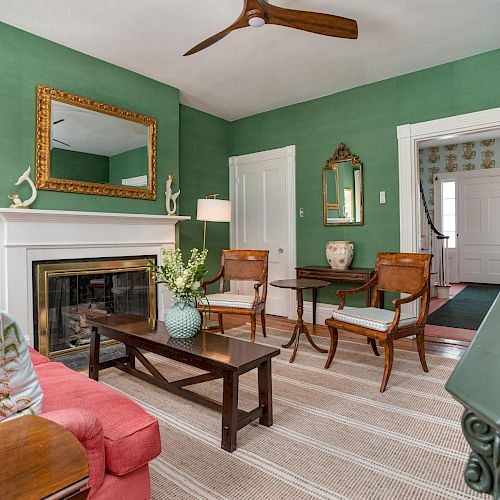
point(184, 281)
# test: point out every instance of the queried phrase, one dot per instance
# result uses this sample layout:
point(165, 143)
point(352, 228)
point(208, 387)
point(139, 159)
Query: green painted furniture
point(475, 383)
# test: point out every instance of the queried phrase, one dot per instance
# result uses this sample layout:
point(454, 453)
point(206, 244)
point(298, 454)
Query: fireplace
point(69, 293)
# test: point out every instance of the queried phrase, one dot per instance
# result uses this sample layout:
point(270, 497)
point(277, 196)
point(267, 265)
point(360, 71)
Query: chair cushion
point(229, 300)
point(131, 436)
point(20, 392)
point(372, 317)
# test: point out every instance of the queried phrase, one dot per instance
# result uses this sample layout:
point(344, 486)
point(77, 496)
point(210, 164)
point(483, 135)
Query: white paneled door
point(479, 228)
point(263, 194)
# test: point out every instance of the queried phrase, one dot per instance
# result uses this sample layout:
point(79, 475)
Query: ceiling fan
point(256, 13)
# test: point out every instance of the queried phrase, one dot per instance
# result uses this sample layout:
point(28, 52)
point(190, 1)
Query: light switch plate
point(301, 212)
point(382, 197)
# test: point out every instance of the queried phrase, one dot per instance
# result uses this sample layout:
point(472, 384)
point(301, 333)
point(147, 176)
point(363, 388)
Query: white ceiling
point(258, 69)
point(95, 133)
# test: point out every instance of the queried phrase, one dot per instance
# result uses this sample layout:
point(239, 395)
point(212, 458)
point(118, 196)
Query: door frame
point(287, 153)
point(409, 137)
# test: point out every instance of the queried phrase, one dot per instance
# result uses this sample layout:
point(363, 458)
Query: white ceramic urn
point(339, 254)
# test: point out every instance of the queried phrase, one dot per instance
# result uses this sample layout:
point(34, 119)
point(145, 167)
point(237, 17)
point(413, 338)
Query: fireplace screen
point(69, 294)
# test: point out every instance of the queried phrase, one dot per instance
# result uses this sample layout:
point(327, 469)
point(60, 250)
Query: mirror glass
point(343, 189)
point(89, 146)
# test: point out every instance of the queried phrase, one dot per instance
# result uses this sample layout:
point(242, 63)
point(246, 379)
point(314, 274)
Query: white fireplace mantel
point(27, 236)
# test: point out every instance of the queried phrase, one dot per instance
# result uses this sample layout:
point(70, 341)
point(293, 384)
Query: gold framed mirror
point(85, 146)
point(343, 189)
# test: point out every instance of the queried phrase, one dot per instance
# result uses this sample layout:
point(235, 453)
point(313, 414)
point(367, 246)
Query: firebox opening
point(69, 293)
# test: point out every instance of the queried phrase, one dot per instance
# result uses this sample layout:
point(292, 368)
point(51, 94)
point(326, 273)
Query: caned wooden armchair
point(240, 265)
point(395, 272)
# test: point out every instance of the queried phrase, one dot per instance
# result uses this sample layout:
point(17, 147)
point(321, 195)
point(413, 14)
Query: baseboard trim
point(323, 312)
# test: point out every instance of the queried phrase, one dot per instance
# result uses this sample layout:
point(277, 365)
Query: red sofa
point(119, 437)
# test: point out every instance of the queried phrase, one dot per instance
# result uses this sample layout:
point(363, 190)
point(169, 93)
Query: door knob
point(280, 250)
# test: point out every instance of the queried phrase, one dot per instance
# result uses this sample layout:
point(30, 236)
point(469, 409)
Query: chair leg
point(389, 357)
point(373, 343)
point(421, 350)
point(263, 321)
point(253, 327)
point(334, 338)
point(221, 324)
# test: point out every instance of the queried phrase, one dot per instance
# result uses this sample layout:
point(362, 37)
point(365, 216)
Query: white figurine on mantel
point(17, 203)
point(171, 199)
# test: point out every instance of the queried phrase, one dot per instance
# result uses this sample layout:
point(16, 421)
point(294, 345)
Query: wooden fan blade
point(239, 23)
point(315, 22)
point(209, 41)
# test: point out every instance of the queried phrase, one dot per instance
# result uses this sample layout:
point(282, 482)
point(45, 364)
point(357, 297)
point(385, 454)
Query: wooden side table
point(326, 273)
point(41, 459)
point(300, 327)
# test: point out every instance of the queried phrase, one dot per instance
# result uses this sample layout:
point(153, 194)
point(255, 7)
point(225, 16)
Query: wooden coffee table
point(218, 355)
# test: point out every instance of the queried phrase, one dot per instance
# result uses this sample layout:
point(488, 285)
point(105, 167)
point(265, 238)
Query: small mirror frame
point(341, 154)
point(42, 161)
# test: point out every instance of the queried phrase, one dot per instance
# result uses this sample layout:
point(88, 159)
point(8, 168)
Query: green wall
point(204, 152)
point(131, 163)
point(27, 60)
point(77, 166)
point(365, 118)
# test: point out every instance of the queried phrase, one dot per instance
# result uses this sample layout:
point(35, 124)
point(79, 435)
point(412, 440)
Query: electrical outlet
point(382, 197)
point(301, 212)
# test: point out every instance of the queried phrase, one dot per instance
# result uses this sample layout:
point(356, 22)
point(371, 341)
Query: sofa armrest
point(87, 428)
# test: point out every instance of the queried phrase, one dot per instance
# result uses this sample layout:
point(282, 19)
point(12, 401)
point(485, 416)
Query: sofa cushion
point(131, 436)
point(228, 300)
point(36, 357)
point(20, 392)
point(372, 317)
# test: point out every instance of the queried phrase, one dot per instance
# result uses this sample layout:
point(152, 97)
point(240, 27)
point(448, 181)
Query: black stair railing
point(439, 247)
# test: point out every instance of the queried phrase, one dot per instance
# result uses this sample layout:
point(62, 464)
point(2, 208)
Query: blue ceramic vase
point(183, 319)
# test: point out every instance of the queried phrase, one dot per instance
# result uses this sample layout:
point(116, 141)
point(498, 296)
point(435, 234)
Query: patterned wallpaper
point(453, 158)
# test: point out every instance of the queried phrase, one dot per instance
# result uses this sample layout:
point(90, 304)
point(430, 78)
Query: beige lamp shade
point(213, 210)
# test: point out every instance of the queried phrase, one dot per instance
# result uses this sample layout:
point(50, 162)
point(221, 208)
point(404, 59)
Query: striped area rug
point(334, 435)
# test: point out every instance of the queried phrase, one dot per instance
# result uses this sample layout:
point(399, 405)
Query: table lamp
point(210, 209)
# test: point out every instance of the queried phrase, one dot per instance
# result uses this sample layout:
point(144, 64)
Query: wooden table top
point(152, 335)
point(40, 458)
point(300, 283)
point(349, 269)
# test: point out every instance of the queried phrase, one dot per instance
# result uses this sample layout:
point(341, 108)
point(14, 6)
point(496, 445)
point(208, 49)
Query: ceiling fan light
point(256, 22)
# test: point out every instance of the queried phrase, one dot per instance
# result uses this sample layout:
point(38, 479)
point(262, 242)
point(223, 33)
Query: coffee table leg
point(95, 344)
point(266, 393)
point(131, 357)
point(230, 411)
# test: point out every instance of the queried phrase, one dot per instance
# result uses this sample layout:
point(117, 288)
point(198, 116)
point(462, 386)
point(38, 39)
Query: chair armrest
point(212, 281)
point(363, 288)
point(87, 428)
point(256, 288)
point(397, 306)
point(410, 298)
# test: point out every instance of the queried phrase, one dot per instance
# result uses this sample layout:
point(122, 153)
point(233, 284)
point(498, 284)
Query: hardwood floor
point(444, 347)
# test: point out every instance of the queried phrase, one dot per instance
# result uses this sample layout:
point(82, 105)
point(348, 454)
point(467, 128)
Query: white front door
point(479, 228)
point(263, 194)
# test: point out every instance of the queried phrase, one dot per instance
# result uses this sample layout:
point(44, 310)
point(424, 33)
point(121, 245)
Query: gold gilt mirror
point(343, 189)
point(85, 146)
